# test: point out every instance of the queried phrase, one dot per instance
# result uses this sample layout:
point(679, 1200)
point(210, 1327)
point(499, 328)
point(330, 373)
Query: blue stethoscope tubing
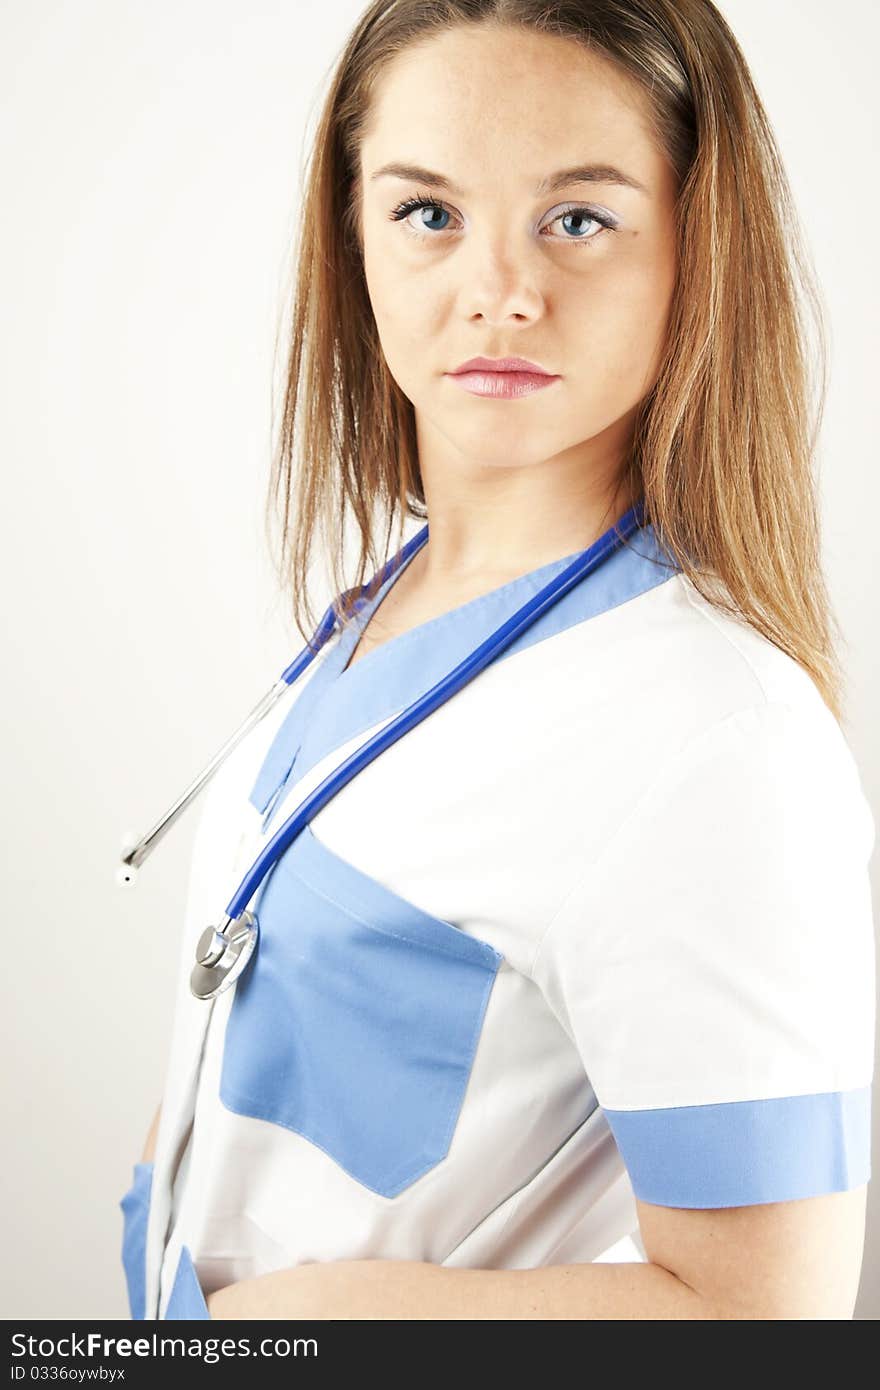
point(223, 952)
point(447, 686)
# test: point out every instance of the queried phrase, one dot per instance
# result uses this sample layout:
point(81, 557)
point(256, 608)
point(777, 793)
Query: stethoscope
point(223, 952)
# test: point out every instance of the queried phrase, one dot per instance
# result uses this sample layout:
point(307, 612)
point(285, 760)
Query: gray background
point(150, 158)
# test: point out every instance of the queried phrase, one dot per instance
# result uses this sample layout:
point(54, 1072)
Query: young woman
point(561, 1007)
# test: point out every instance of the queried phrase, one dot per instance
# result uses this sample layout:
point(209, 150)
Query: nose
point(500, 281)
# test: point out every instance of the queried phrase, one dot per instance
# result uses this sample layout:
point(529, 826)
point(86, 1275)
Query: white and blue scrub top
point(597, 928)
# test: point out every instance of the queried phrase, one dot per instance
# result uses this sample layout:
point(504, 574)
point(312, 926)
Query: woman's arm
point(150, 1144)
point(778, 1260)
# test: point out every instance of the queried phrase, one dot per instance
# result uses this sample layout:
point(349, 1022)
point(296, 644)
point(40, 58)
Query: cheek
point(401, 304)
point(616, 322)
point(409, 322)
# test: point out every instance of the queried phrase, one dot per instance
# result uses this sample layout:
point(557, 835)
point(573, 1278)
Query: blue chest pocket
point(135, 1207)
point(186, 1303)
point(357, 1021)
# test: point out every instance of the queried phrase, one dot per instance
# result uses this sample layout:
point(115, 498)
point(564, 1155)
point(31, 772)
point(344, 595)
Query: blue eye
point(411, 204)
point(584, 214)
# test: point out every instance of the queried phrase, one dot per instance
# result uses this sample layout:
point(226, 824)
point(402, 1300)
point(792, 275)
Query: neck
point(467, 544)
point(501, 513)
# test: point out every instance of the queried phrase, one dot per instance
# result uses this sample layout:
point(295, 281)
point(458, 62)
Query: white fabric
point(656, 821)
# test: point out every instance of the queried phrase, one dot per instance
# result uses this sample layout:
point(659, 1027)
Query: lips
point(506, 385)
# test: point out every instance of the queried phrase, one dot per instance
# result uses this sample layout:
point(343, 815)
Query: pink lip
point(501, 364)
point(506, 378)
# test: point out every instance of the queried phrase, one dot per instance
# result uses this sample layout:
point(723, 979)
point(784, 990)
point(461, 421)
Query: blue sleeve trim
point(744, 1152)
point(187, 1302)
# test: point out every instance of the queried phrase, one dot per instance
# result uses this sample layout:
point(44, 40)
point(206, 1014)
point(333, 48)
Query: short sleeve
point(714, 967)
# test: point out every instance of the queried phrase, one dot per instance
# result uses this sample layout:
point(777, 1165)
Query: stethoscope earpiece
point(127, 872)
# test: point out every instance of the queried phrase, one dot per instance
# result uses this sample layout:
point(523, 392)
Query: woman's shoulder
point(667, 655)
point(733, 651)
point(745, 699)
point(670, 677)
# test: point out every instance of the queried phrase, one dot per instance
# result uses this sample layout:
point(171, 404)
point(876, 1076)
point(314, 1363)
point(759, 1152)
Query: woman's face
point(577, 278)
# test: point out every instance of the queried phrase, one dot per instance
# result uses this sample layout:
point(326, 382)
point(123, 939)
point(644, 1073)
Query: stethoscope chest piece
point(221, 958)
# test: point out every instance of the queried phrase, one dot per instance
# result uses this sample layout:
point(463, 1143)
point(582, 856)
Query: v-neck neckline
point(341, 702)
point(339, 660)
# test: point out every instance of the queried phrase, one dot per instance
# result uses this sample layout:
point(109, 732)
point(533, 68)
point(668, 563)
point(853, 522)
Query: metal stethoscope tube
point(134, 852)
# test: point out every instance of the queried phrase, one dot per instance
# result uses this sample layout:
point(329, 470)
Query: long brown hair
point(724, 444)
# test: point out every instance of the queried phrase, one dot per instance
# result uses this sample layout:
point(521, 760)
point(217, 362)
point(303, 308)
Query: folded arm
point(775, 1260)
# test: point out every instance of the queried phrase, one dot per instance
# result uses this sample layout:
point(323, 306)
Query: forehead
point(463, 100)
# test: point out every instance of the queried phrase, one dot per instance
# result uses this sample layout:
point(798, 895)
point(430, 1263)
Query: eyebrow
point(579, 173)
